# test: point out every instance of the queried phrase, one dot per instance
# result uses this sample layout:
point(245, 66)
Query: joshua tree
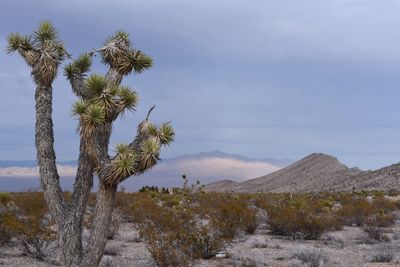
point(101, 100)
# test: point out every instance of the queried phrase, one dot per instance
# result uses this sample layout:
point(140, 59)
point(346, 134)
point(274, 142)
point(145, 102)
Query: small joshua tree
point(102, 99)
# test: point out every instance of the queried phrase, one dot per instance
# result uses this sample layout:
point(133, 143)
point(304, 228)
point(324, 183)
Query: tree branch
point(76, 73)
point(148, 113)
point(139, 156)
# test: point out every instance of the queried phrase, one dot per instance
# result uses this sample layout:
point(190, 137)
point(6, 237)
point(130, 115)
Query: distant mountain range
point(316, 172)
point(206, 167)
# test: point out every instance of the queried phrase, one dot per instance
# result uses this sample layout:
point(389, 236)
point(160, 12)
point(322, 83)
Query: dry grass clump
point(311, 256)
point(247, 263)
point(384, 253)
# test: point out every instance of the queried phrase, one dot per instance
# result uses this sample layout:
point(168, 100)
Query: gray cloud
point(260, 78)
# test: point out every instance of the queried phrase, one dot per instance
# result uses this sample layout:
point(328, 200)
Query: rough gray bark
point(70, 235)
point(46, 156)
point(100, 226)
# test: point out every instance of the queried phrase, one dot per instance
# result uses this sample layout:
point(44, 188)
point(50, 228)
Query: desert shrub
point(123, 200)
point(10, 226)
point(175, 246)
point(191, 193)
point(36, 246)
point(360, 211)
point(377, 194)
point(330, 239)
point(229, 213)
point(381, 220)
point(170, 200)
point(28, 222)
point(301, 217)
point(175, 234)
point(312, 257)
point(396, 236)
point(37, 233)
point(383, 253)
point(5, 235)
point(164, 249)
point(145, 209)
point(296, 223)
point(384, 205)
point(383, 257)
point(393, 192)
point(355, 212)
point(205, 242)
point(4, 198)
point(31, 204)
point(376, 233)
point(248, 263)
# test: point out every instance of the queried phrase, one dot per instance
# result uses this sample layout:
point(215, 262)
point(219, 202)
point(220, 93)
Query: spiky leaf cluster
point(140, 61)
point(79, 108)
point(45, 32)
point(42, 51)
point(80, 66)
point(118, 53)
point(93, 115)
point(163, 133)
point(124, 161)
point(122, 149)
point(121, 167)
point(149, 153)
point(17, 41)
point(95, 85)
point(114, 99)
point(24, 46)
point(104, 102)
point(127, 99)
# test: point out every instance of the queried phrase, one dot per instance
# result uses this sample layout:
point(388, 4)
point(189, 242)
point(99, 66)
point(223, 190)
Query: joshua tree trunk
point(101, 225)
point(70, 232)
point(101, 100)
point(46, 157)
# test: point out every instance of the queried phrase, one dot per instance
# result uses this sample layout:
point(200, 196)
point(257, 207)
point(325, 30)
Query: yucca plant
point(101, 100)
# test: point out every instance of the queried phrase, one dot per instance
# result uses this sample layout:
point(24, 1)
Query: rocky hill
point(317, 172)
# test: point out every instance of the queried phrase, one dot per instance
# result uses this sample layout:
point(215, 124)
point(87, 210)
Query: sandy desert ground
point(345, 248)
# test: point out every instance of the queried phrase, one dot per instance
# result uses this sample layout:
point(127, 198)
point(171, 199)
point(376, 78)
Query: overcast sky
point(263, 78)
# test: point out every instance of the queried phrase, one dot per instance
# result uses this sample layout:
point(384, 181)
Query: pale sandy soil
point(346, 248)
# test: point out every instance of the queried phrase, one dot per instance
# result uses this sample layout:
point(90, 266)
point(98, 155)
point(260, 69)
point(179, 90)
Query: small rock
point(221, 255)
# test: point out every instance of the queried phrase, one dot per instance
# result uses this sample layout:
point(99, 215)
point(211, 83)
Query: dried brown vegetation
point(24, 217)
point(190, 224)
